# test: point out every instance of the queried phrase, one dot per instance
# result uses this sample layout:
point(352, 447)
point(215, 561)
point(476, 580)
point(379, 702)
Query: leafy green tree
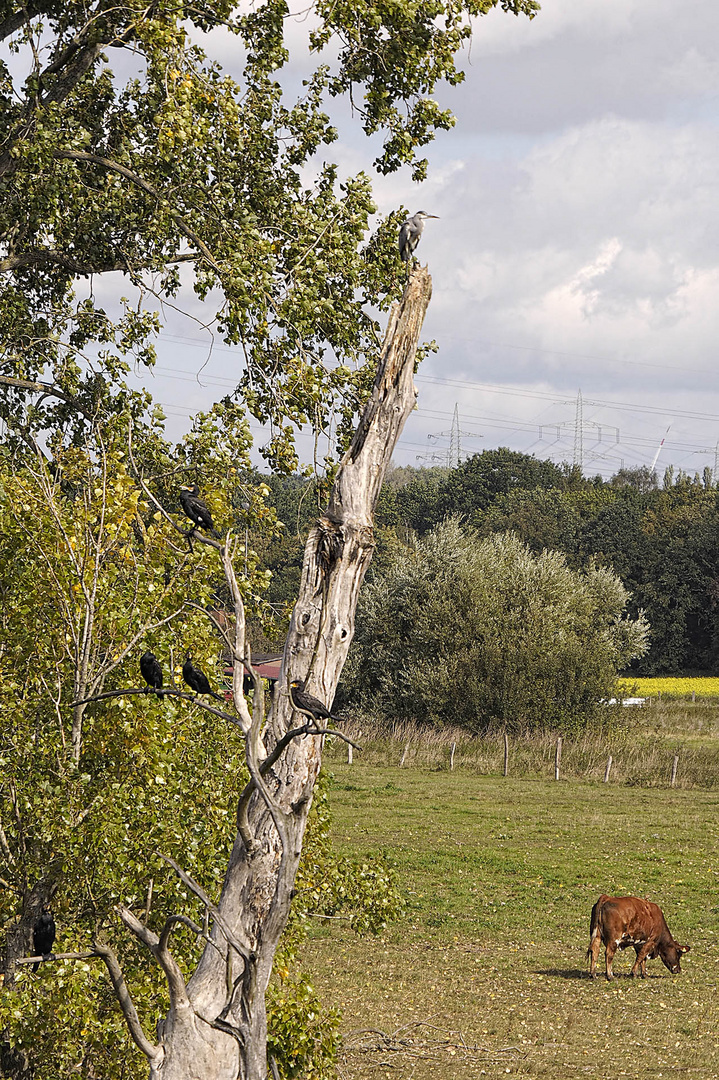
point(614, 535)
point(540, 517)
point(641, 478)
point(127, 150)
point(99, 559)
point(177, 163)
point(661, 543)
point(95, 572)
point(483, 633)
point(415, 506)
point(429, 495)
point(677, 579)
point(481, 479)
point(90, 793)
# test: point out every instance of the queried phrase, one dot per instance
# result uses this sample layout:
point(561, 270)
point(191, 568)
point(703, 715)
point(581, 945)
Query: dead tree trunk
point(216, 1027)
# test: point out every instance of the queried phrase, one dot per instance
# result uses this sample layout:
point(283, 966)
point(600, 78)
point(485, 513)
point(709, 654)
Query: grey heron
point(410, 232)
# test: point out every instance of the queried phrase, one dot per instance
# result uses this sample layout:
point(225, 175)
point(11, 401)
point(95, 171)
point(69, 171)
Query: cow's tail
point(594, 928)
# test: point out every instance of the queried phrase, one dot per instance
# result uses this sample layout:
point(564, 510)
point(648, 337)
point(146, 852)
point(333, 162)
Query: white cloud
point(496, 34)
point(577, 60)
point(578, 240)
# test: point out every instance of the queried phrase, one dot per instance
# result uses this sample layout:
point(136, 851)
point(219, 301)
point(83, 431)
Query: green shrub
point(482, 633)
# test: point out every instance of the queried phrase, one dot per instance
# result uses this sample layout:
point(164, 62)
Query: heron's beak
point(433, 215)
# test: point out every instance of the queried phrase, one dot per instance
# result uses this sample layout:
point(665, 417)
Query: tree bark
point(217, 1029)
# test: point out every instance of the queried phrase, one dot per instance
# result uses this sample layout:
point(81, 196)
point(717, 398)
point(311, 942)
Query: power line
point(546, 395)
point(622, 362)
point(455, 435)
point(540, 349)
point(436, 380)
point(513, 424)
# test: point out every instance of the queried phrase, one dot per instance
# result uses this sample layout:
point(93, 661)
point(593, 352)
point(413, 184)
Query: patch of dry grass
point(642, 743)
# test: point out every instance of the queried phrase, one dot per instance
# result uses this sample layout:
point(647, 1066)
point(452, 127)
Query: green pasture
point(485, 973)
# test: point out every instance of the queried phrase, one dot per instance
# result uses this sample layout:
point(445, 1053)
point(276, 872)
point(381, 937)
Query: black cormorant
point(151, 670)
point(197, 680)
point(197, 509)
point(306, 703)
point(43, 935)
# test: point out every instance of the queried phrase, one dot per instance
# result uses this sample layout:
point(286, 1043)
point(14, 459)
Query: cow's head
point(671, 954)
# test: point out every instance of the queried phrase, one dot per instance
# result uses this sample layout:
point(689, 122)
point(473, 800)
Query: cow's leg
point(609, 956)
point(595, 945)
point(640, 964)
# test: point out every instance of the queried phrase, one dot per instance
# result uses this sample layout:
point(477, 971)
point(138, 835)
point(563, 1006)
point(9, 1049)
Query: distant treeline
point(662, 541)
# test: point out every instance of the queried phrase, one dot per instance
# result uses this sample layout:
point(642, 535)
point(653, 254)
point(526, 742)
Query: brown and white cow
point(621, 921)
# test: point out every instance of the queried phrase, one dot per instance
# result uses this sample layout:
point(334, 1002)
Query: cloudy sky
point(577, 247)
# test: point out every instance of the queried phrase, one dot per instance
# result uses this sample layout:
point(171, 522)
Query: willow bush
point(484, 634)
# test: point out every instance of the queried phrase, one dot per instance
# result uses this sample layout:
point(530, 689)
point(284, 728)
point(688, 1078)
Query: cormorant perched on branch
point(197, 680)
point(43, 935)
point(197, 509)
point(151, 671)
point(306, 703)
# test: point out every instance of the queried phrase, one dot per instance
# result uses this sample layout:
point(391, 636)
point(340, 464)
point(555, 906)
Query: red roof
point(267, 667)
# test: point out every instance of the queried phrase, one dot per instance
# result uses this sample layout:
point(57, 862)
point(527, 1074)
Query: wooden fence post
point(349, 753)
point(694, 695)
point(506, 754)
point(608, 769)
point(404, 754)
point(557, 757)
point(675, 766)
point(451, 756)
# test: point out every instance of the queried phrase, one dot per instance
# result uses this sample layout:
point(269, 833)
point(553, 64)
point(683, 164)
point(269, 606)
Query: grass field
point(485, 974)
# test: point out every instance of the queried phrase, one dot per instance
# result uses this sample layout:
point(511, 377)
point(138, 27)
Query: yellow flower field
point(669, 688)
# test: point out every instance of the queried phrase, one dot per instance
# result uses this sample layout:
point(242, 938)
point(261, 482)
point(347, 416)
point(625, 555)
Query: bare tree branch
point(335, 734)
point(29, 260)
point(165, 692)
point(50, 957)
point(241, 653)
point(294, 733)
point(177, 920)
point(152, 1053)
point(274, 756)
point(45, 388)
point(201, 932)
point(191, 533)
point(239, 1032)
point(200, 893)
point(175, 979)
point(254, 723)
